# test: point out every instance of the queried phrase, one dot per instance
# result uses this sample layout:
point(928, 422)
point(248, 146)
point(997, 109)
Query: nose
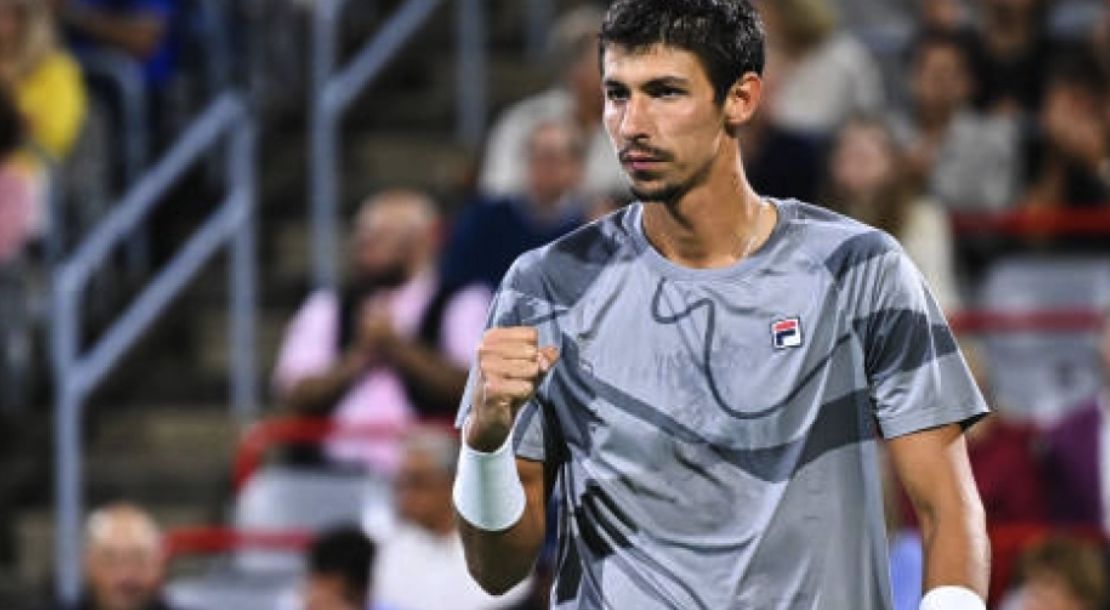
point(634, 119)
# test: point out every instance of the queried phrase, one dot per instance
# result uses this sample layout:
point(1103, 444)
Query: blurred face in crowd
point(1048, 591)
point(942, 14)
point(1073, 118)
point(394, 238)
point(664, 120)
point(861, 163)
point(941, 80)
point(1011, 11)
point(13, 20)
point(422, 491)
point(584, 81)
point(124, 563)
point(554, 163)
point(330, 592)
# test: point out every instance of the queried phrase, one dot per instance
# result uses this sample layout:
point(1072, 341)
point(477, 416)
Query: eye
point(616, 94)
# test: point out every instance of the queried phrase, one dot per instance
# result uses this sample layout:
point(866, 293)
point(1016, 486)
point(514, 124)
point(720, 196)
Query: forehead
point(632, 66)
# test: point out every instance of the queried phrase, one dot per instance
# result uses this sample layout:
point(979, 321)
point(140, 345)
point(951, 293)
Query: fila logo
point(786, 333)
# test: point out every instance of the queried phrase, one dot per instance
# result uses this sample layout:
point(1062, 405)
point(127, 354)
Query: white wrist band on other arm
point(952, 598)
point(487, 491)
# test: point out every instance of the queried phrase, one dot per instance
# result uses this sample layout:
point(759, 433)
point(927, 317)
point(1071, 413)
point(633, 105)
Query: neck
point(715, 224)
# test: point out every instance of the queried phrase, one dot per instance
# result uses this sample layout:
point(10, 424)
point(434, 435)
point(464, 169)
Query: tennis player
point(704, 377)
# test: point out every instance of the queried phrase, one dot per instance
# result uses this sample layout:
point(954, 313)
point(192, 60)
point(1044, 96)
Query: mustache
point(643, 150)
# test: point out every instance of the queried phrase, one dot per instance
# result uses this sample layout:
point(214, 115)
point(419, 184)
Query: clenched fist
point(510, 366)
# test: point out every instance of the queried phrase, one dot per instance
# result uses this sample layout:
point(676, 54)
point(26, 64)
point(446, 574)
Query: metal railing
point(77, 373)
point(336, 89)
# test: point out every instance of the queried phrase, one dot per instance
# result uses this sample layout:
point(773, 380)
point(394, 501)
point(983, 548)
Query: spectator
point(45, 81)
point(1060, 574)
point(1069, 159)
point(1004, 457)
point(1078, 455)
point(16, 192)
point(491, 233)
point(1014, 50)
point(962, 158)
point(339, 567)
point(124, 564)
point(866, 180)
point(779, 162)
point(826, 76)
point(576, 100)
point(141, 29)
point(395, 343)
point(421, 565)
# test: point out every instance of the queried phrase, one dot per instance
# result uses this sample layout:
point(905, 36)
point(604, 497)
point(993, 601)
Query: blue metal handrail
point(335, 91)
point(76, 374)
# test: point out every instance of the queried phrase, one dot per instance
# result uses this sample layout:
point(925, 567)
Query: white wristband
point(952, 598)
point(487, 491)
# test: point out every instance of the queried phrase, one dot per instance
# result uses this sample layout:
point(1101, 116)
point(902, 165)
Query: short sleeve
point(511, 308)
point(918, 378)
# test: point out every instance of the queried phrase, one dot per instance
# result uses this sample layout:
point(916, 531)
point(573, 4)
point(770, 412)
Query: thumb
point(549, 355)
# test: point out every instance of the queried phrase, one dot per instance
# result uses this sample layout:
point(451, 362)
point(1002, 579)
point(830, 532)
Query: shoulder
point(561, 271)
point(837, 242)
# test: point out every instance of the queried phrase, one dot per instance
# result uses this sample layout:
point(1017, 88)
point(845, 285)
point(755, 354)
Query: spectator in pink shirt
point(394, 344)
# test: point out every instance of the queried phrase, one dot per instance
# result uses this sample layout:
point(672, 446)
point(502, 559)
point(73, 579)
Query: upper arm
point(934, 469)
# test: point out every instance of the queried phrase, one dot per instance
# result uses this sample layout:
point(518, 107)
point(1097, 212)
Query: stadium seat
point(1042, 374)
point(285, 498)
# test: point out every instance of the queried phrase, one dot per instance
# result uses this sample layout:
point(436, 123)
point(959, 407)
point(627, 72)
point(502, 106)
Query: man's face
point(662, 119)
point(124, 571)
point(422, 491)
point(554, 163)
point(941, 81)
point(328, 592)
point(389, 242)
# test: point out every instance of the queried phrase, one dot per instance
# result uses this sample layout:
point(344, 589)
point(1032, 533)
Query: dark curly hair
point(726, 35)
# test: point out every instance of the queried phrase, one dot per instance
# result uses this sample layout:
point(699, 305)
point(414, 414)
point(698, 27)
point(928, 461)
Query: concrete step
point(428, 160)
point(214, 357)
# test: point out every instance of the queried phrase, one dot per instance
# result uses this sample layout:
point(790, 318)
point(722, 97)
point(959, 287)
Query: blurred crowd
point(947, 107)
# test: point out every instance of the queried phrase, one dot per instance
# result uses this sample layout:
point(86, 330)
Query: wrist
point(485, 434)
point(952, 598)
point(487, 492)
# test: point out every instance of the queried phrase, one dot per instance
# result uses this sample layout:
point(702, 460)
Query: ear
point(742, 101)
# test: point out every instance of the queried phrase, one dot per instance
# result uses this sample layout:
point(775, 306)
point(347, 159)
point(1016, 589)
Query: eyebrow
point(666, 81)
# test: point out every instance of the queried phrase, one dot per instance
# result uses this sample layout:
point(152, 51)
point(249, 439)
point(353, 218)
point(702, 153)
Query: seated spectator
point(339, 567)
point(866, 180)
point(142, 29)
point(1069, 158)
point(490, 233)
point(16, 189)
point(825, 76)
point(421, 565)
point(124, 564)
point(960, 157)
point(45, 81)
point(576, 100)
point(1014, 50)
point(394, 344)
point(778, 161)
point(1077, 461)
point(1060, 574)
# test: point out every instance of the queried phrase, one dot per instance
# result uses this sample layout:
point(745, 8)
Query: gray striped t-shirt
point(714, 431)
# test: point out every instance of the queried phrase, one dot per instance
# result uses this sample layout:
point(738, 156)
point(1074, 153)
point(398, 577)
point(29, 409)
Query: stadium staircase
point(158, 432)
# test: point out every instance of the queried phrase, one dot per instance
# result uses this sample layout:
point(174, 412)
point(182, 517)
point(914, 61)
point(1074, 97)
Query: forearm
point(318, 394)
point(500, 560)
point(957, 550)
point(138, 36)
point(440, 377)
